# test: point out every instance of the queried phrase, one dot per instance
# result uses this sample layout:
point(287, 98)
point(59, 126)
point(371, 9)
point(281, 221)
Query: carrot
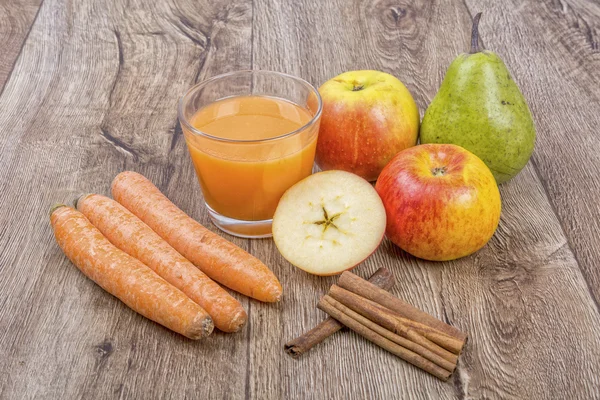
point(216, 257)
point(125, 277)
point(130, 234)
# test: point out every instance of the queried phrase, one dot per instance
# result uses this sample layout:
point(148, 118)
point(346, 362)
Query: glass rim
point(183, 119)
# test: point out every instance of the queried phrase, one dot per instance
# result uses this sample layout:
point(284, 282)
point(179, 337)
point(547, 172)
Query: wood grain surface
point(16, 18)
point(90, 89)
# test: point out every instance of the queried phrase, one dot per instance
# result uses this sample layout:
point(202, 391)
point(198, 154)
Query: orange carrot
point(216, 257)
point(126, 277)
point(130, 234)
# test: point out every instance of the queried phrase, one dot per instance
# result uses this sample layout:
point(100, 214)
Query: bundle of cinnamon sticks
point(396, 326)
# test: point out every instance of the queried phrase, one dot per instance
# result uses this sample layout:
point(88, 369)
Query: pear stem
point(475, 35)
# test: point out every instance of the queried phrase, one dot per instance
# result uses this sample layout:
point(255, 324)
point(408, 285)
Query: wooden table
point(89, 89)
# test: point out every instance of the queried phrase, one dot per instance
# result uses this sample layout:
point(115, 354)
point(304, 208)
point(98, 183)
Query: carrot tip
point(272, 298)
point(81, 196)
point(207, 327)
point(238, 321)
point(56, 207)
point(278, 294)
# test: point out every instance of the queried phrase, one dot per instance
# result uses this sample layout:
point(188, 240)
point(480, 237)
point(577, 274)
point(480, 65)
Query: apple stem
point(475, 34)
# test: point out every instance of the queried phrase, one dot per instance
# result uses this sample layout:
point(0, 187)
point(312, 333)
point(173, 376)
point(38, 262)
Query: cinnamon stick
point(449, 343)
point(381, 341)
point(382, 317)
point(404, 342)
point(357, 285)
point(382, 278)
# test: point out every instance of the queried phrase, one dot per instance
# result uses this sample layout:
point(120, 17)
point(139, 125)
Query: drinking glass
point(242, 180)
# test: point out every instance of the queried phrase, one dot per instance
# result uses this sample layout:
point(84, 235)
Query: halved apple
point(329, 222)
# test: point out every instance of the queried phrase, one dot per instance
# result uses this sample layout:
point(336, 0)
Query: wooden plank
point(534, 327)
point(93, 93)
point(318, 40)
point(560, 79)
point(16, 18)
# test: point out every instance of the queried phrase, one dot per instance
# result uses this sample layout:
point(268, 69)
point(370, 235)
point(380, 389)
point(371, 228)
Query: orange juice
point(255, 154)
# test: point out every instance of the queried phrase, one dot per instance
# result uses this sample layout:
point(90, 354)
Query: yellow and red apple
point(442, 202)
point(368, 117)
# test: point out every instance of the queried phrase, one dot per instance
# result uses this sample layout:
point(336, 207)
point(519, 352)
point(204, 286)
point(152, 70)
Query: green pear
point(480, 108)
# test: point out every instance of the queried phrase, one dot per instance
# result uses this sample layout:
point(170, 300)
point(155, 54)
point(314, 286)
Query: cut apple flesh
point(329, 222)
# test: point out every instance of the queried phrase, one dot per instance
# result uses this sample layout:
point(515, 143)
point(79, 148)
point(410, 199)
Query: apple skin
point(442, 202)
point(368, 117)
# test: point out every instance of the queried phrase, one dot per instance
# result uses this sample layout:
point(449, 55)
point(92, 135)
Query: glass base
point(239, 228)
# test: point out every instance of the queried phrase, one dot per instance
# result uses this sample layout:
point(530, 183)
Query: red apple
point(368, 117)
point(442, 202)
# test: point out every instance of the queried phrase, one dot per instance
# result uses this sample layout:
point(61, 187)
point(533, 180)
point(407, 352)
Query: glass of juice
point(251, 135)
